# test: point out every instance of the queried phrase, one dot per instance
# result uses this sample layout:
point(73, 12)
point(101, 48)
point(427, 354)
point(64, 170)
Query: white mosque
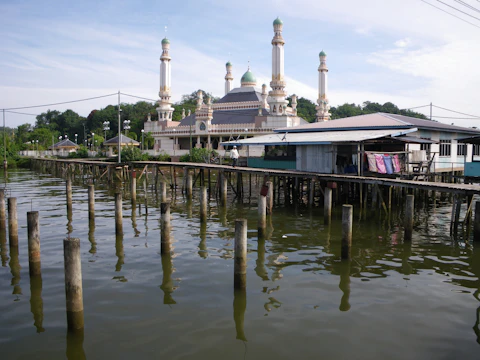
point(245, 111)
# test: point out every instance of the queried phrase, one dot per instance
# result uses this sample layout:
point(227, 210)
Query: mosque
point(243, 112)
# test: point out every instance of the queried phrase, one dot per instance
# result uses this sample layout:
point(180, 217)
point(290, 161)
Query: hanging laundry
point(380, 164)
point(387, 159)
point(396, 164)
point(372, 163)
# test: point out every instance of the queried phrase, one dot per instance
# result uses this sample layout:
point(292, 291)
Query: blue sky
point(403, 51)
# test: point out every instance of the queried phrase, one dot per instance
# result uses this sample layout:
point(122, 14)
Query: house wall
point(316, 158)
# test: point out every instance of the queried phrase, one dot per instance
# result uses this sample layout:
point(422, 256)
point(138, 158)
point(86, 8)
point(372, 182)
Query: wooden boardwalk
point(461, 189)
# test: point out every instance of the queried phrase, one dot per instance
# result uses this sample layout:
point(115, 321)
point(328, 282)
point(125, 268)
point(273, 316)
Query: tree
point(305, 109)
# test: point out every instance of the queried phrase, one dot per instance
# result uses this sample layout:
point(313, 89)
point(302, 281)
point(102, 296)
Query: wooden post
point(203, 204)
point(189, 184)
point(311, 192)
point(91, 203)
point(73, 283)
point(347, 221)
point(33, 243)
point(165, 228)
point(133, 188)
point(327, 206)
point(163, 191)
point(476, 224)
point(409, 217)
point(270, 198)
point(118, 213)
point(240, 257)
point(262, 215)
point(12, 222)
point(69, 195)
point(2, 210)
point(224, 190)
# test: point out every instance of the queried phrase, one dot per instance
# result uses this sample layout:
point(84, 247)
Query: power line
point(454, 8)
point(474, 116)
point(20, 113)
point(60, 103)
point(467, 5)
point(138, 97)
point(458, 17)
point(457, 118)
point(417, 107)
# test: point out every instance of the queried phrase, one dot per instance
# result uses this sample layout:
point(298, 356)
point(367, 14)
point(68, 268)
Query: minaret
point(228, 78)
point(165, 109)
point(277, 95)
point(323, 105)
point(264, 96)
point(294, 104)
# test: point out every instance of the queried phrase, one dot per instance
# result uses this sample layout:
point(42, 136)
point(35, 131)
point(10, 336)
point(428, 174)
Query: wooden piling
point(269, 198)
point(73, 283)
point(224, 190)
point(133, 183)
point(118, 213)
point(91, 203)
point(12, 222)
point(240, 257)
point(409, 217)
point(163, 191)
point(203, 204)
point(189, 184)
point(33, 243)
point(476, 224)
point(347, 221)
point(2, 210)
point(68, 184)
point(327, 206)
point(262, 215)
point(165, 228)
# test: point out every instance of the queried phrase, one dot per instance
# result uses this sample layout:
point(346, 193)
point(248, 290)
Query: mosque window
point(203, 127)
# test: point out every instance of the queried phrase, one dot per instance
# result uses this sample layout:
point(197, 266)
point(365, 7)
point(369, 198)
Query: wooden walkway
point(462, 189)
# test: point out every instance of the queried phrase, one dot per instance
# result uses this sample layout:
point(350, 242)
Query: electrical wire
point(20, 113)
point(458, 17)
point(474, 116)
point(457, 118)
point(417, 107)
point(60, 103)
point(454, 8)
point(467, 5)
point(138, 97)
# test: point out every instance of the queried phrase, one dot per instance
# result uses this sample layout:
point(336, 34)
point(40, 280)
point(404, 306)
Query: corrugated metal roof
point(378, 121)
point(318, 138)
point(470, 140)
point(415, 140)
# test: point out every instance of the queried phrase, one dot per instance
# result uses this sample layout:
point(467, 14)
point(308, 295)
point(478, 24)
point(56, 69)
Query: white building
point(243, 112)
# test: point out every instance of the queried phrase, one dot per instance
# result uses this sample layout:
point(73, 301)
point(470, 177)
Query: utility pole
point(4, 144)
point(119, 131)
point(430, 111)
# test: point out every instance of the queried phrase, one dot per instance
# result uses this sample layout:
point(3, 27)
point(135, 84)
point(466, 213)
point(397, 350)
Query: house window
point(425, 146)
point(476, 149)
point(461, 149)
point(445, 147)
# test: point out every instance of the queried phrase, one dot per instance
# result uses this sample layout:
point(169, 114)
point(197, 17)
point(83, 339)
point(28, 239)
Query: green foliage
point(189, 102)
point(133, 153)
point(199, 155)
point(305, 108)
point(81, 153)
point(163, 156)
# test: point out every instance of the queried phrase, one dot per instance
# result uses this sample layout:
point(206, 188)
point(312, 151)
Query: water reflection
point(202, 247)
point(239, 307)
point(75, 349)
point(119, 252)
point(345, 284)
point(69, 222)
point(3, 247)
point(134, 218)
point(15, 270)
point(260, 269)
point(91, 236)
point(167, 282)
point(36, 302)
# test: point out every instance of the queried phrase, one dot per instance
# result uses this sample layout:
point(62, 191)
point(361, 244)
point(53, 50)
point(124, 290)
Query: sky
point(403, 51)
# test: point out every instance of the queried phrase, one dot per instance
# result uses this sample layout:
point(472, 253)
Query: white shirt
point(234, 154)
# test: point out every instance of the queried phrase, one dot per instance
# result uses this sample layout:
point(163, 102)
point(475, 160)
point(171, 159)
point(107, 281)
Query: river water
point(391, 301)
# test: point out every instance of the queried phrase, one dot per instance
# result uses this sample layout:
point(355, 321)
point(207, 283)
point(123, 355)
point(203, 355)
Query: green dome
point(277, 21)
point(228, 63)
point(165, 41)
point(322, 53)
point(248, 77)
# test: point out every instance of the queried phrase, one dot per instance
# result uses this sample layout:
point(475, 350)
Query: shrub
point(199, 155)
point(133, 153)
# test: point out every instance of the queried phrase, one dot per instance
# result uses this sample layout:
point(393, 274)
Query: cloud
point(402, 43)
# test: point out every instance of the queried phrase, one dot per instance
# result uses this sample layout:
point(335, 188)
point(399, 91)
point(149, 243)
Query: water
point(392, 301)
